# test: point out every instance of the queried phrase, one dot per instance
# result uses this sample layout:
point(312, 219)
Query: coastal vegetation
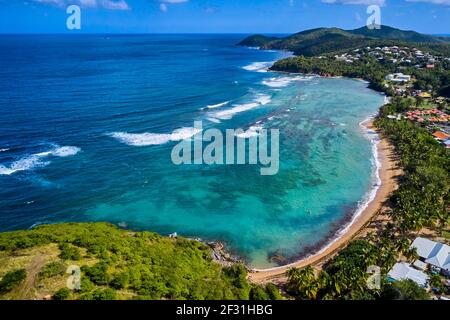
point(117, 264)
point(369, 69)
point(404, 290)
point(11, 280)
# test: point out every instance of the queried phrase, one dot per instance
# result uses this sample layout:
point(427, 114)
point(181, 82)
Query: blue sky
point(219, 16)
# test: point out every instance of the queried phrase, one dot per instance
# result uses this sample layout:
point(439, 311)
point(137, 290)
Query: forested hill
point(115, 264)
point(327, 40)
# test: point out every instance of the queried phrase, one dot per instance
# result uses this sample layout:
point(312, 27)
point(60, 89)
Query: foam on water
point(251, 132)
point(4, 149)
point(213, 120)
point(38, 160)
point(65, 151)
point(263, 99)
point(260, 100)
point(141, 139)
point(228, 114)
point(258, 66)
point(149, 139)
point(184, 133)
point(281, 82)
point(214, 106)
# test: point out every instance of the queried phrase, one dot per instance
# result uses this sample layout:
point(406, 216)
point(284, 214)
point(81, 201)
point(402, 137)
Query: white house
point(420, 265)
point(434, 253)
point(398, 77)
point(403, 270)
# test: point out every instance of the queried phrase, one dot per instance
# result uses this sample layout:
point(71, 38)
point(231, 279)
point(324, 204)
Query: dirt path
point(23, 292)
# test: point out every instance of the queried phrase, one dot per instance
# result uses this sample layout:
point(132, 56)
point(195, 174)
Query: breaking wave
point(149, 139)
point(38, 160)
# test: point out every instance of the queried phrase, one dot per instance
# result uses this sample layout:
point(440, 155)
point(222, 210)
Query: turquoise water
point(86, 135)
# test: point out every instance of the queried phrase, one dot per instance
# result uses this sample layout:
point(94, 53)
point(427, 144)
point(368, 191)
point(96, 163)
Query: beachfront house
point(435, 254)
point(447, 143)
point(403, 271)
point(440, 136)
point(398, 77)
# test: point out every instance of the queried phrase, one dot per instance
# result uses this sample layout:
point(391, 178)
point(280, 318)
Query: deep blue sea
point(87, 125)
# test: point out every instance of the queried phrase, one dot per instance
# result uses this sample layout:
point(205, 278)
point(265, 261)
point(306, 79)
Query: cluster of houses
point(402, 58)
point(443, 138)
point(429, 115)
point(435, 121)
point(434, 258)
point(405, 56)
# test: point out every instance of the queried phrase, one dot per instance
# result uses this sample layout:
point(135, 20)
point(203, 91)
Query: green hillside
point(328, 40)
point(387, 32)
point(115, 264)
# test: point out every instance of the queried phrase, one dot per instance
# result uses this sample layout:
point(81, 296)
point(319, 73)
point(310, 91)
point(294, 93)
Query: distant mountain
point(396, 34)
point(256, 40)
point(326, 40)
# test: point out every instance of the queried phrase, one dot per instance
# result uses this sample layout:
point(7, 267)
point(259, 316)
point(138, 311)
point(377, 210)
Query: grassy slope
point(128, 264)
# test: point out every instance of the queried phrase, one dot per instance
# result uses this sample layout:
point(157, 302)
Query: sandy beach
point(388, 171)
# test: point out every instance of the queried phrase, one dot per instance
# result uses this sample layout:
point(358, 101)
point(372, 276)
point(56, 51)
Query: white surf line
point(148, 139)
point(37, 160)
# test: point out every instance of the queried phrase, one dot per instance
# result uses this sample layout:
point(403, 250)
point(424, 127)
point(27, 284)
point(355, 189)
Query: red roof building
point(440, 135)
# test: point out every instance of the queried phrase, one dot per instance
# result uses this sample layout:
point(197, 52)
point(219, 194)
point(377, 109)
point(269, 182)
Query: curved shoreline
point(386, 172)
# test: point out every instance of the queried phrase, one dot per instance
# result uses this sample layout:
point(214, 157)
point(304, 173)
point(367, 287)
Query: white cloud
point(173, 1)
point(211, 9)
point(106, 4)
point(444, 2)
point(163, 6)
point(358, 2)
point(58, 3)
point(114, 5)
point(88, 3)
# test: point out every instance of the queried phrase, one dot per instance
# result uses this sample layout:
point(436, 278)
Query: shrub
point(52, 269)
point(410, 290)
point(106, 294)
point(69, 252)
point(120, 280)
point(11, 280)
point(258, 293)
point(98, 273)
point(61, 294)
point(273, 292)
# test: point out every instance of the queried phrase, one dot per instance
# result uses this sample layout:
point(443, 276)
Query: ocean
point(88, 122)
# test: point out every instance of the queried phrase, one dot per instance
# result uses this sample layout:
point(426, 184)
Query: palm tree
point(303, 282)
point(411, 254)
point(403, 244)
